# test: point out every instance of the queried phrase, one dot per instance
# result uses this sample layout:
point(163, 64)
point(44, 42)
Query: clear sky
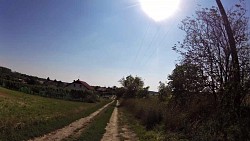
point(97, 41)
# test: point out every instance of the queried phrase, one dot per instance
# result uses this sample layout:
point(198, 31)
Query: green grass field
point(24, 116)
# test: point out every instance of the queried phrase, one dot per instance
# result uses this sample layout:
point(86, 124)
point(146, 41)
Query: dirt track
point(112, 132)
point(70, 129)
point(112, 127)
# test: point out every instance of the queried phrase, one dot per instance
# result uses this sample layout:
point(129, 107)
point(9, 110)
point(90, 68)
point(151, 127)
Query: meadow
point(24, 116)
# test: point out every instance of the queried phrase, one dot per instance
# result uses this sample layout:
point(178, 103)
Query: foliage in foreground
point(148, 111)
point(198, 119)
point(25, 116)
point(211, 83)
point(128, 118)
point(207, 46)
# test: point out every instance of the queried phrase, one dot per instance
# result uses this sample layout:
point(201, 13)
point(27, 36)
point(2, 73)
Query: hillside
point(44, 87)
point(24, 116)
point(8, 74)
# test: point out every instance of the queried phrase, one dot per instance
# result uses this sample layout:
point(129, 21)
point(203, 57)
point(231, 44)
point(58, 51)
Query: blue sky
point(97, 41)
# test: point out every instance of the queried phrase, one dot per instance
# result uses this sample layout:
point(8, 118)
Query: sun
point(159, 10)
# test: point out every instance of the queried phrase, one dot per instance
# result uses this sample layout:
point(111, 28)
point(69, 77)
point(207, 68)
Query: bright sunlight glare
point(159, 10)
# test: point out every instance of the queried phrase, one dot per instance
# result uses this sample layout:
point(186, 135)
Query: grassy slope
point(25, 116)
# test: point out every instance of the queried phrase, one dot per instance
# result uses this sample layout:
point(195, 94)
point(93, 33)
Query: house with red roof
point(79, 85)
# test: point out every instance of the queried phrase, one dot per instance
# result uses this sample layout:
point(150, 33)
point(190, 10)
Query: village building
point(79, 85)
point(102, 90)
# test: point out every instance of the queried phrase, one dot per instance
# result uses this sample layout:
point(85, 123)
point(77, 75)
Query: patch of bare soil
point(127, 134)
point(3, 95)
point(71, 129)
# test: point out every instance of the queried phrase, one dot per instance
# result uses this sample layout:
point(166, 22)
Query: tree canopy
point(132, 85)
point(207, 46)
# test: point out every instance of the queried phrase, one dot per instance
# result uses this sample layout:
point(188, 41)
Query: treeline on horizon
point(43, 87)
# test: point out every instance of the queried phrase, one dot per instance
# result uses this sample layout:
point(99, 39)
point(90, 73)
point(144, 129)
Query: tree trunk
point(236, 68)
point(233, 51)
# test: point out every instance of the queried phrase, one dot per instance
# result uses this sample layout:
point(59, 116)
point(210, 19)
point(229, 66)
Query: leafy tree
point(119, 92)
point(164, 91)
point(4, 70)
point(143, 93)
point(59, 84)
point(32, 81)
point(186, 79)
point(132, 85)
point(208, 46)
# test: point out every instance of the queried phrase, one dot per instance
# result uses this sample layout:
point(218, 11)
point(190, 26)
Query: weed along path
point(71, 129)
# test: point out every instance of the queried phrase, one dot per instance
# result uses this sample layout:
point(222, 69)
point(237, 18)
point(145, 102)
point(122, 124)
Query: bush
point(148, 111)
point(143, 93)
point(152, 118)
point(91, 97)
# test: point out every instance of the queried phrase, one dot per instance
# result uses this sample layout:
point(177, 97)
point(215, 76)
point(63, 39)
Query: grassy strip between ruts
point(95, 131)
point(24, 116)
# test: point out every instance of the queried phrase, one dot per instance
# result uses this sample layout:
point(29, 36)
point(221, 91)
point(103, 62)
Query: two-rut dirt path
point(112, 129)
point(69, 130)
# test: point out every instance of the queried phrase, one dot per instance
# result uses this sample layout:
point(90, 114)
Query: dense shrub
point(148, 111)
point(200, 119)
point(143, 93)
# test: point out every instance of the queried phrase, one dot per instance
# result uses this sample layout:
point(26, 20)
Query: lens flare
point(159, 10)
